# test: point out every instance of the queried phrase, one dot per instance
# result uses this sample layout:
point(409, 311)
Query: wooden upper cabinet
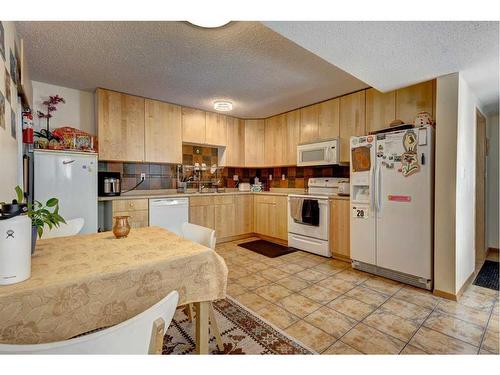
point(235, 149)
point(163, 132)
point(414, 99)
point(380, 109)
point(292, 120)
point(352, 121)
point(216, 129)
point(193, 125)
point(120, 126)
point(275, 141)
point(309, 117)
point(328, 119)
point(254, 143)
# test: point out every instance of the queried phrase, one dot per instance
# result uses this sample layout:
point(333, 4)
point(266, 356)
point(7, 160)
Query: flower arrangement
point(51, 107)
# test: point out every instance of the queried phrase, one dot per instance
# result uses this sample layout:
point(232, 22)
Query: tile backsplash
point(198, 154)
point(295, 177)
point(158, 176)
point(163, 176)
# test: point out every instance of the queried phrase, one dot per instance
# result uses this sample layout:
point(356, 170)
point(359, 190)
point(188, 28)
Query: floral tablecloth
point(85, 282)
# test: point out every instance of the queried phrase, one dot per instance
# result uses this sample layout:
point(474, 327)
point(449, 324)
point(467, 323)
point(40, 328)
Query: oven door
point(318, 232)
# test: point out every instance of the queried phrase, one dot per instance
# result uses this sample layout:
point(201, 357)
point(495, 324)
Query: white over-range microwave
point(319, 153)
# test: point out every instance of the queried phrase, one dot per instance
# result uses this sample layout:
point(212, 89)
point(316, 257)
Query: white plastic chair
point(197, 233)
point(71, 228)
point(141, 334)
point(206, 237)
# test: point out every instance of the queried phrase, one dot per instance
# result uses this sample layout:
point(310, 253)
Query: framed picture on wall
point(13, 124)
point(7, 85)
point(2, 41)
point(13, 67)
point(2, 111)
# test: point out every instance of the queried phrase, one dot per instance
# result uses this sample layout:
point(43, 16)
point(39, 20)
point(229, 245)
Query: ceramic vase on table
point(121, 227)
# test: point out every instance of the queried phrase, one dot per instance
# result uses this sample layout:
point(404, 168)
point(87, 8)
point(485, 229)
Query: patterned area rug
point(242, 332)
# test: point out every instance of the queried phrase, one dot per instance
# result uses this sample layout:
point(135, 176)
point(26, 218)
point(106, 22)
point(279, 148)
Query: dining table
point(86, 282)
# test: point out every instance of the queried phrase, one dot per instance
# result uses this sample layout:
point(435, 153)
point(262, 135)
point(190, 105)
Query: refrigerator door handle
point(375, 187)
point(68, 161)
point(373, 202)
point(379, 190)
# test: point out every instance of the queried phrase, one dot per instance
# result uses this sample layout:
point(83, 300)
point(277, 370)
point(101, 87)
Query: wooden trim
point(235, 238)
point(469, 280)
point(440, 293)
point(493, 250)
point(455, 297)
point(341, 257)
point(278, 241)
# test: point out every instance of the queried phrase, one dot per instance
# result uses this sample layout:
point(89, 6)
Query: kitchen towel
point(296, 209)
point(310, 212)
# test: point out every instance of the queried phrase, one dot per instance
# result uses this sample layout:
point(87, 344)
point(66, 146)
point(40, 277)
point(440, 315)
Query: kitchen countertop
point(172, 193)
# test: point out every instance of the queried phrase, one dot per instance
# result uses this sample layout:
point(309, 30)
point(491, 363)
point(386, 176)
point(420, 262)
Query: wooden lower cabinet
point(229, 215)
point(243, 214)
point(340, 228)
point(202, 211)
point(270, 216)
point(137, 209)
point(225, 216)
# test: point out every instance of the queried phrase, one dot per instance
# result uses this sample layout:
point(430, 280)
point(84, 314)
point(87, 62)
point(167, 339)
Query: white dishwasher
point(169, 213)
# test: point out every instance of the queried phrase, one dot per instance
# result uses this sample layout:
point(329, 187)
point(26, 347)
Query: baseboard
point(341, 257)
point(440, 293)
point(279, 241)
point(455, 297)
point(235, 238)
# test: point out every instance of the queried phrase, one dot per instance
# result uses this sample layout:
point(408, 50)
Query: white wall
point(466, 182)
point(454, 241)
point(492, 191)
point(77, 112)
point(445, 183)
point(10, 150)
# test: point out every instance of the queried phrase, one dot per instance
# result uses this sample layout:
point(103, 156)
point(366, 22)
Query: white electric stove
point(301, 233)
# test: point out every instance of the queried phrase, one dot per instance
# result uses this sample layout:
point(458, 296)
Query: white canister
point(15, 246)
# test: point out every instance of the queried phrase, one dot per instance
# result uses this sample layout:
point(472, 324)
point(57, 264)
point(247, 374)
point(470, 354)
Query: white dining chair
point(142, 334)
point(206, 237)
point(71, 228)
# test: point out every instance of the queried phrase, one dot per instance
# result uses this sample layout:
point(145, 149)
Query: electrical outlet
point(235, 177)
point(283, 177)
point(270, 177)
point(143, 176)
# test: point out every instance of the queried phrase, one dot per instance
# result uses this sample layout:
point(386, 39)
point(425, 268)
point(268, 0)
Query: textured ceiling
point(390, 55)
point(262, 72)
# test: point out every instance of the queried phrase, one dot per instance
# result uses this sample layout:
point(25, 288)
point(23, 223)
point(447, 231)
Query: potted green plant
point(41, 214)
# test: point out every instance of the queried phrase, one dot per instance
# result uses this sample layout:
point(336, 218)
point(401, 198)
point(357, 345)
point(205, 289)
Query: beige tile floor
point(335, 309)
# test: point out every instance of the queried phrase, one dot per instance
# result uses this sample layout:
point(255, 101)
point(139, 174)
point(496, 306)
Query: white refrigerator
point(70, 177)
point(392, 185)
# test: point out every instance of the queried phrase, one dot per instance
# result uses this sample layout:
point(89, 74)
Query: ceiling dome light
point(209, 23)
point(223, 105)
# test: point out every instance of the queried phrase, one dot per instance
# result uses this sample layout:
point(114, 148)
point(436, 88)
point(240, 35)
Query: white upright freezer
point(70, 177)
point(392, 185)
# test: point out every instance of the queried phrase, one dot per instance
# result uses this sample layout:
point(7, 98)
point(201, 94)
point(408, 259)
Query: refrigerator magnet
point(422, 136)
point(409, 163)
